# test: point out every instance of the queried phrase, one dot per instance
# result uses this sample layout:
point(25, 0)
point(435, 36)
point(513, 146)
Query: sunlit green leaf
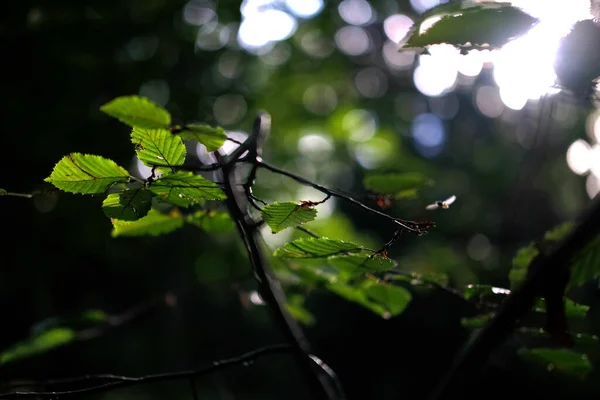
point(212, 138)
point(128, 205)
point(316, 248)
point(356, 294)
point(521, 262)
point(158, 147)
point(476, 322)
point(398, 184)
point(185, 188)
point(280, 216)
point(86, 174)
point(137, 112)
point(40, 343)
point(153, 224)
point(212, 221)
point(480, 25)
point(557, 359)
point(393, 298)
point(352, 265)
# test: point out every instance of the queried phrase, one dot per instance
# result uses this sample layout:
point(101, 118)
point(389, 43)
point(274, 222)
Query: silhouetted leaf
point(39, 343)
point(128, 205)
point(398, 184)
point(316, 248)
point(153, 224)
point(158, 147)
point(137, 112)
point(212, 138)
point(86, 174)
point(186, 188)
point(280, 216)
point(494, 25)
point(557, 359)
point(212, 221)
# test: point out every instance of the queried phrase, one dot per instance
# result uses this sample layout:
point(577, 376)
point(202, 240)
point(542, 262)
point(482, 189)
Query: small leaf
point(572, 309)
point(399, 184)
point(137, 112)
point(295, 306)
point(480, 25)
point(394, 299)
point(476, 322)
point(562, 360)
point(212, 221)
point(585, 265)
point(86, 174)
point(128, 205)
point(560, 232)
point(212, 138)
point(521, 263)
point(316, 248)
point(186, 188)
point(353, 265)
point(280, 216)
point(158, 147)
point(153, 224)
point(40, 343)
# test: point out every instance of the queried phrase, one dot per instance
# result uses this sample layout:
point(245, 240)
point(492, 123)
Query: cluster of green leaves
point(148, 206)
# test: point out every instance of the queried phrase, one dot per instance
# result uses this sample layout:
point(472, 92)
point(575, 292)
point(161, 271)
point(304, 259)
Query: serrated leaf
point(153, 224)
point(556, 359)
point(158, 147)
point(316, 248)
point(40, 343)
point(185, 188)
point(212, 221)
point(211, 138)
point(86, 174)
point(129, 205)
point(585, 266)
point(398, 184)
point(479, 25)
point(352, 265)
point(138, 112)
point(280, 216)
point(521, 262)
point(394, 299)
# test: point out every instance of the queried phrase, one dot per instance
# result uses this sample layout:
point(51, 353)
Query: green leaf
point(40, 343)
point(128, 205)
point(356, 294)
point(3, 192)
point(316, 248)
point(399, 184)
point(158, 147)
point(572, 309)
point(394, 299)
point(353, 265)
point(493, 25)
point(186, 188)
point(212, 138)
point(137, 112)
point(585, 265)
point(563, 360)
point(476, 322)
point(560, 232)
point(521, 262)
point(153, 224)
point(295, 306)
point(280, 216)
point(86, 174)
point(212, 221)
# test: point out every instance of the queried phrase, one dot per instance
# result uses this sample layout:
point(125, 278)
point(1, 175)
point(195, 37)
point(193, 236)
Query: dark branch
point(407, 225)
point(520, 301)
point(116, 381)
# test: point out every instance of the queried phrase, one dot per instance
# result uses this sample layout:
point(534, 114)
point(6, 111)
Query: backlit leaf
point(295, 306)
point(153, 224)
point(316, 248)
point(138, 112)
point(559, 359)
point(40, 343)
point(286, 215)
point(394, 299)
point(212, 221)
point(560, 232)
point(128, 205)
point(521, 263)
point(212, 138)
point(398, 184)
point(86, 174)
point(185, 188)
point(158, 147)
point(357, 264)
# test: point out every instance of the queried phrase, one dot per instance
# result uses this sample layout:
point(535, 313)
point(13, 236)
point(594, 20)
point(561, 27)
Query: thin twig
point(127, 381)
point(307, 231)
point(519, 302)
point(407, 225)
